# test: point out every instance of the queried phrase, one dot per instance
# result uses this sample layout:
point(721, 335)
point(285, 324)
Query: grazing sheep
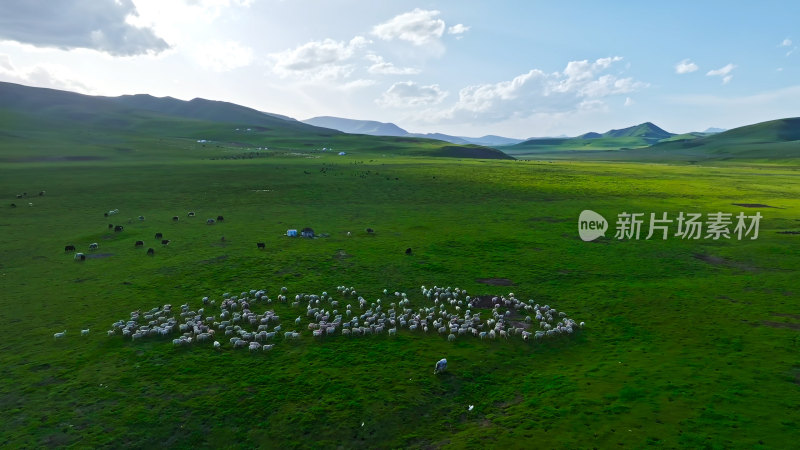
point(85, 332)
point(210, 222)
point(59, 335)
point(216, 345)
point(451, 337)
point(93, 246)
point(441, 366)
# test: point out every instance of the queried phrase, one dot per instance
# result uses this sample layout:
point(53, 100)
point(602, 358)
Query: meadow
point(688, 343)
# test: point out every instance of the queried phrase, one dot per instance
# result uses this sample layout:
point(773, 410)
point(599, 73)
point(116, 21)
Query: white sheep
point(59, 335)
point(85, 332)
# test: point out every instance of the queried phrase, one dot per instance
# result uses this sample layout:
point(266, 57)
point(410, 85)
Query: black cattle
point(174, 218)
point(151, 252)
point(159, 235)
point(408, 251)
point(164, 241)
point(19, 195)
point(118, 228)
point(41, 193)
point(105, 214)
point(220, 219)
point(69, 248)
point(139, 244)
point(261, 245)
point(111, 226)
point(191, 214)
point(13, 205)
point(370, 230)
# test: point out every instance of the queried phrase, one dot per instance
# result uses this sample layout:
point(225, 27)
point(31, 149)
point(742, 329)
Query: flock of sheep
point(232, 322)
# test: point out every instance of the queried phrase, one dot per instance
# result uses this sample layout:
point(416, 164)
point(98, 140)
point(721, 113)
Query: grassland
point(688, 343)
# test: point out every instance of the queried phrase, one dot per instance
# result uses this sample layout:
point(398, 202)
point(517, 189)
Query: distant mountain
point(375, 128)
point(353, 126)
point(647, 131)
point(492, 140)
point(441, 137)
point(48, 124)
point(133, 110)
point(712, 130)
point(208, 110)
point(637, 136)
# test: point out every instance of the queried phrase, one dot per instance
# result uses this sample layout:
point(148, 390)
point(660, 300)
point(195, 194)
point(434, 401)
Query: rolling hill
point(637, 136)
point(43, 123)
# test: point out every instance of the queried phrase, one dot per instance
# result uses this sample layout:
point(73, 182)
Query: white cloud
point(44, 75)
point(5, 63)
point(380, 66)
point(628, 101)
point(410, 94)
point(419, 27)
point(103, 25)
point(785, 43)
point(791, 51)
point(356, 84)
point(318, 59)
point(458, 28)
point(685, 66)
point(723, 72)
point(581, 86)
point(223, 56)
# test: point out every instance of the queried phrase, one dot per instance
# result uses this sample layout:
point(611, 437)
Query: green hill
point(773, 139)
point(637, 136)
point(47, 124)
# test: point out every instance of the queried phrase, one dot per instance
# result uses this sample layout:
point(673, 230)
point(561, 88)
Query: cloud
point(101, 25)
point(723, 72)
point(5, 63)
point(407, 94)
point(41, 75)
point(581, 86)
point(325, 59)
point(223, 56)
point(458, 28)
point(785, 43)
point(628, 101)
point(356, 84)
point(380, 66)
point(685, 66)
point(419, 27)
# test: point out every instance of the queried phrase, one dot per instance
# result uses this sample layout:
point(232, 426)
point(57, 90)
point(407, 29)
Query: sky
point(462, 67)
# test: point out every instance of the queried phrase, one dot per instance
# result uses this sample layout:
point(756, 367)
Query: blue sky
point(515, 68)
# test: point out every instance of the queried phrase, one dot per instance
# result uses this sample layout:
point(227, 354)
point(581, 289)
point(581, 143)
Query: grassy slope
point(637, 136)
point(676, 352)
point(772, 141)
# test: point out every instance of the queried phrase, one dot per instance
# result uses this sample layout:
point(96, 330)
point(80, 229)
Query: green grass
point(688, 343)
point(675, 354)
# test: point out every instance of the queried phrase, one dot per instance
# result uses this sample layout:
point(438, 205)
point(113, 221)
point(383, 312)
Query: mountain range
point(375, 128)
point(33, 119)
